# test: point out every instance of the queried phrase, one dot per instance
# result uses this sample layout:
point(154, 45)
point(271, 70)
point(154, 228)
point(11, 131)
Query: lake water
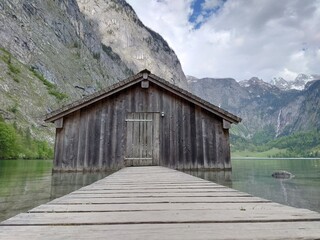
point(25, 184)
point(254, 176)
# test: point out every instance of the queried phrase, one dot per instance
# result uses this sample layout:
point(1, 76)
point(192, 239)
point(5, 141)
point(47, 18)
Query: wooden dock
point(160, 203)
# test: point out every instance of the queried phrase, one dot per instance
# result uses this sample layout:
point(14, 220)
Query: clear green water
point(254, 176)
point(26, 184)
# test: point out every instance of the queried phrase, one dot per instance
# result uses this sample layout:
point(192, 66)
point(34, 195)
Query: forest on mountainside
point(300, 144)
point(18, 143)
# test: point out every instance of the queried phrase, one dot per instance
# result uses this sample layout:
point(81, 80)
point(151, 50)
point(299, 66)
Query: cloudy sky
point(238, 38)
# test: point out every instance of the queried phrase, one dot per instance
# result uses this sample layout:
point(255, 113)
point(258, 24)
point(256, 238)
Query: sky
point(238, 38)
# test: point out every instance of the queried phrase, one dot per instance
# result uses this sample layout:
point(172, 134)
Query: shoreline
point(273, 158)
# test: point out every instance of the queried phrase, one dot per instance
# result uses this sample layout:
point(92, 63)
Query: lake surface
point(25, 184)
point(254, 176)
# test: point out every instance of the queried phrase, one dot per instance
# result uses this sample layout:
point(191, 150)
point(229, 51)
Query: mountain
point(53, 52)
point(262, 106)
point(298, 84)
point(138, 46)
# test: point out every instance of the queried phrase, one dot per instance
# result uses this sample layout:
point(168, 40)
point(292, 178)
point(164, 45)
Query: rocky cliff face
point(138, 46)
point(52, 53)
point(261, 104)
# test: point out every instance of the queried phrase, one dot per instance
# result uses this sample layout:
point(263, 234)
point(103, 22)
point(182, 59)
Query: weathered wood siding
point(94, 137)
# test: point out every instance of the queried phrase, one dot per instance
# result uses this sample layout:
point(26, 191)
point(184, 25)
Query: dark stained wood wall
point(94, 137)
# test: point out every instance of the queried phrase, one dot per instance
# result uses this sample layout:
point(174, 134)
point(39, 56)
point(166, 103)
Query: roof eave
point(68, 109)
point(195, 99)
point(51, 117)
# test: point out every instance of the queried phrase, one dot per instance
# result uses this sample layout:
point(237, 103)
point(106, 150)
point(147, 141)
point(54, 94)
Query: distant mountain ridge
point(263, 106)
point(298, 83)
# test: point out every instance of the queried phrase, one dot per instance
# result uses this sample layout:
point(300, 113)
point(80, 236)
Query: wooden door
point(142, 139)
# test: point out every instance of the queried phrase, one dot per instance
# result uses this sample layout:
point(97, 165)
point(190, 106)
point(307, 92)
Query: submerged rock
point(282, 174)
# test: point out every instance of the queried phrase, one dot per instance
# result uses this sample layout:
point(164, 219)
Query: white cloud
point(287, 74)
point(263, 38)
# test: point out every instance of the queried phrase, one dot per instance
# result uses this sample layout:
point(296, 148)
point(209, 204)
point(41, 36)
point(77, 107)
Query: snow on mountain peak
point(297, 84)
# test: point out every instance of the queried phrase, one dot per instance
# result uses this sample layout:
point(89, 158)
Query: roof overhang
point(143, 75)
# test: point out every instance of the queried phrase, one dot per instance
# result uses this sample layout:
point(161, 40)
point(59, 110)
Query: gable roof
point(126, 83)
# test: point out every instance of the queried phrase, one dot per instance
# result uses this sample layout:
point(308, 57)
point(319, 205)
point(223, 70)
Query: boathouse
point(142, 120)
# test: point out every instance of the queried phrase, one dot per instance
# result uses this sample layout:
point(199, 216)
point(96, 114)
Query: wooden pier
point(160, 203)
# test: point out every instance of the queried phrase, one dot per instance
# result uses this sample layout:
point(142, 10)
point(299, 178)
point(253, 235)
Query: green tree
point(7, 141)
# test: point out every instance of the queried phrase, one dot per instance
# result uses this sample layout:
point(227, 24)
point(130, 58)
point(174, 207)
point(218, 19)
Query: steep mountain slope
point(262, 106)
point(24, 98)
point(52, 53)
point(138, 46)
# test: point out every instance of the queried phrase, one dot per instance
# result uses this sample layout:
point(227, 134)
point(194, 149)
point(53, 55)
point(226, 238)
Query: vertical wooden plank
point(141, 135)
point(114, 135)
point(205, 142)
point(129, 147)
point(86, 140)
point(209, 142)
point(156, 138)
point(188, 158)
point(199, 143)
point(90, 139)
point(110, 127)
point(133, 101)
point(227, 157)
point(213, 145)
point(105, 155)
point(148, 136)
point(68, 143)
point(95, 137)
point(58, 149)
point(176, 132)
point(193, 147)
point(64, 161)
point(102, 136)
point(136, 137)
point(75, 138)
point(179, 135)
point(119, 133)
point(159, 96)
point(154, 99)
point(173, 127)
point(69, 153)
point(81, 140)
point(139, 99)
point(183, 153)
point(171, 133)
point(165, 139)
point(219, 146)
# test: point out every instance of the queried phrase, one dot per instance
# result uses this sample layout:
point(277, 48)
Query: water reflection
point(221, 177)
point(63, 183)
point(25, 184)
point(254, 176)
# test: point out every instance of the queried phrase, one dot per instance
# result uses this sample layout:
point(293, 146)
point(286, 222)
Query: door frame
point(155, 136)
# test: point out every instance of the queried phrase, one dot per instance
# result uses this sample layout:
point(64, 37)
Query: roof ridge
point(66, 109)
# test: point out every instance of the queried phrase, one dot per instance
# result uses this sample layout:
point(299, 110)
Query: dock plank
point(269, 206)
point(160, 203)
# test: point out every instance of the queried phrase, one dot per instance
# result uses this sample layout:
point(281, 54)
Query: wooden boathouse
point(142, 120)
